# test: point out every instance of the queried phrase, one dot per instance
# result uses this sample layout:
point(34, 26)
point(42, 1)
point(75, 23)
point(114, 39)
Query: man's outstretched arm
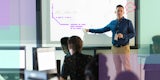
point(101, 30)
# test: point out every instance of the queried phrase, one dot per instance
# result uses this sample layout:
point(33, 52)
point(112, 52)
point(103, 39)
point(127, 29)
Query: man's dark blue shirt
point(123, 26)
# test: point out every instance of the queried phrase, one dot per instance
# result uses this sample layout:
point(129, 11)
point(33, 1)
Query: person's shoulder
point(67, 55)
point(89, 57)
point(128, 20)
point(114, 21)
point(86, 55)
point(68, 58)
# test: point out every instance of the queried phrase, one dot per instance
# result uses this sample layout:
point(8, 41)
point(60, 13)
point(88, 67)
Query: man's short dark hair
point(64, 41)
point(76, 43)
point(64, 44)
point(119, 6)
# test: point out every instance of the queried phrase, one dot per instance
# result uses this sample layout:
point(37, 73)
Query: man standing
point(123, 31)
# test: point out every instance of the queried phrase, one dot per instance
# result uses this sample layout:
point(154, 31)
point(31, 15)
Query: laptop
point(35, 75)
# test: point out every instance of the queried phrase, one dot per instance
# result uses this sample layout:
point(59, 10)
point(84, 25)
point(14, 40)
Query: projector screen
point(12, 59)
point(65, 18)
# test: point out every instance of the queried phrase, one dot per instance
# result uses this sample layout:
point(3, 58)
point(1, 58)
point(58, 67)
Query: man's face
point(120, 12)
point(65, 49)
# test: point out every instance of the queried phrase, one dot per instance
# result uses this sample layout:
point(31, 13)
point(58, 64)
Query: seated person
point(152, 63)
point(91, 71)
point(96, 69)
point(103, 68)
point(126, 75)
point(64, 45)
point(74, 65)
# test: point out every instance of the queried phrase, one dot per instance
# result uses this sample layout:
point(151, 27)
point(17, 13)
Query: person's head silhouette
point(156, 44)
point(64, 44)
point(103, 69)
point(126, 75)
